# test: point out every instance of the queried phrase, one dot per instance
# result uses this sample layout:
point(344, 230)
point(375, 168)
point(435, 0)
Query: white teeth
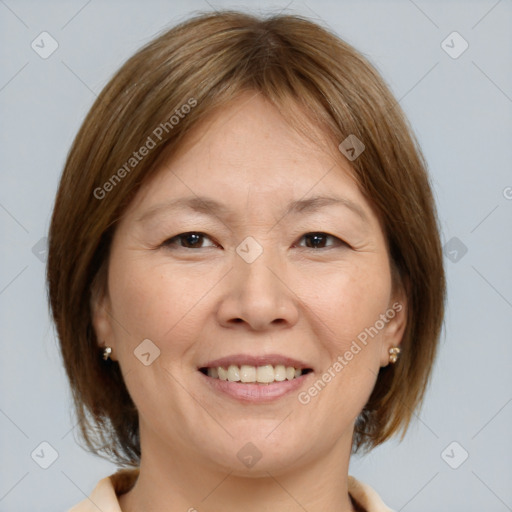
point(233, 373)
point(247, 373)
point(279, 373)
point(250, 374)
point(265, 373)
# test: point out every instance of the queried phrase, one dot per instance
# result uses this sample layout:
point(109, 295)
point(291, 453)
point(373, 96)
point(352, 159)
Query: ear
point(397, 321)
point(101, 313)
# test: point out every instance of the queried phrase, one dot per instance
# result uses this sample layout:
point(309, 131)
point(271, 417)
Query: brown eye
point(190, 240)
point(318, 240)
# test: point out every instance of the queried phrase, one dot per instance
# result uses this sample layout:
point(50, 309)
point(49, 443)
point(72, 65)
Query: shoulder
point(366, 497)
point(104, 495)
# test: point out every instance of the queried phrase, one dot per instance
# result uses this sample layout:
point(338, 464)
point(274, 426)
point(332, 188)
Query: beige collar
point(104, 495)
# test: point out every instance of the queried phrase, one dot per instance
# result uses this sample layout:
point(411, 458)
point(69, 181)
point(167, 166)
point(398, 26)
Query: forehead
point(249, 153)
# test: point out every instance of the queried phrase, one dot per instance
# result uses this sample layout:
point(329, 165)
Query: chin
point(256, 451)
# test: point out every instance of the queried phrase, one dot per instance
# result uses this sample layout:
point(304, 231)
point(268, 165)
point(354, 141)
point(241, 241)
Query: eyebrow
point(209, 206)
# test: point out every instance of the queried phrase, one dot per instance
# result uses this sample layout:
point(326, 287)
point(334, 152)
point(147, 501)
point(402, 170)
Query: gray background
point(461, 111)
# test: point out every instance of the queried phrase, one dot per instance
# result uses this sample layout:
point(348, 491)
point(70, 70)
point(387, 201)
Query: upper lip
point(259, 360)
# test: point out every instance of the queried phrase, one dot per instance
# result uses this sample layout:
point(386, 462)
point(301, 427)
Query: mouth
point(255, 379)
point(251, 374)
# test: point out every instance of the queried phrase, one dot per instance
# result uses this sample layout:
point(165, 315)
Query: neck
point(176, 481)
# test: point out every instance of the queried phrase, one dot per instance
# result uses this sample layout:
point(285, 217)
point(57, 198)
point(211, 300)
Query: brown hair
point(206, 62)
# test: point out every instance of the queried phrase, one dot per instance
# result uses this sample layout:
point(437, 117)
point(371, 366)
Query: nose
point(258, 295)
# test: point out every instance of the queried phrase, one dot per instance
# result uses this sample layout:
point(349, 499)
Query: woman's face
point(251, 249)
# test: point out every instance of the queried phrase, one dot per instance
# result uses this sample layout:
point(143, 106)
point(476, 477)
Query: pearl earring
point(393, 354)
point(107, 352)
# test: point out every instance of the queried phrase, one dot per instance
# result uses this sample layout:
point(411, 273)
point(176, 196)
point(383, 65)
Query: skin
point(201, 302)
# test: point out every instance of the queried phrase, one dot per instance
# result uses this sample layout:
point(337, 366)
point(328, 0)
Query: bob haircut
point(156, 98)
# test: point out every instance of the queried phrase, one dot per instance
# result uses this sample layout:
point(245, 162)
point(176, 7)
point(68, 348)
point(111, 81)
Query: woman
point(245, 270)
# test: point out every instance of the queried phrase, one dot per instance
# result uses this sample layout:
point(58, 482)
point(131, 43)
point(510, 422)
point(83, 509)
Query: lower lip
point(256, 393)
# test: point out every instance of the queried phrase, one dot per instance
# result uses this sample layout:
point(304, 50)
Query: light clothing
point(104, 495)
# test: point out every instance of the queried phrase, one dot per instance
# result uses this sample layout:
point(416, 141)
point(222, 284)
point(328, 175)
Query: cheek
point(152, 299)
point(348, 312)
point(147, 301)
point(350, 302)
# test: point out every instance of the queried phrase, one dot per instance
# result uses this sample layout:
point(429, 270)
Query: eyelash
point(169, 243)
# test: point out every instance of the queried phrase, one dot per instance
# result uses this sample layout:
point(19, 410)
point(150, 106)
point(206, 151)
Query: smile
point(255, 378)
point(266, 374)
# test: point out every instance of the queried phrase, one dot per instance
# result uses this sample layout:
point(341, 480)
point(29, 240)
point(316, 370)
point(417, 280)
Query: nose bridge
point(258, 263)
point(257, 292)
